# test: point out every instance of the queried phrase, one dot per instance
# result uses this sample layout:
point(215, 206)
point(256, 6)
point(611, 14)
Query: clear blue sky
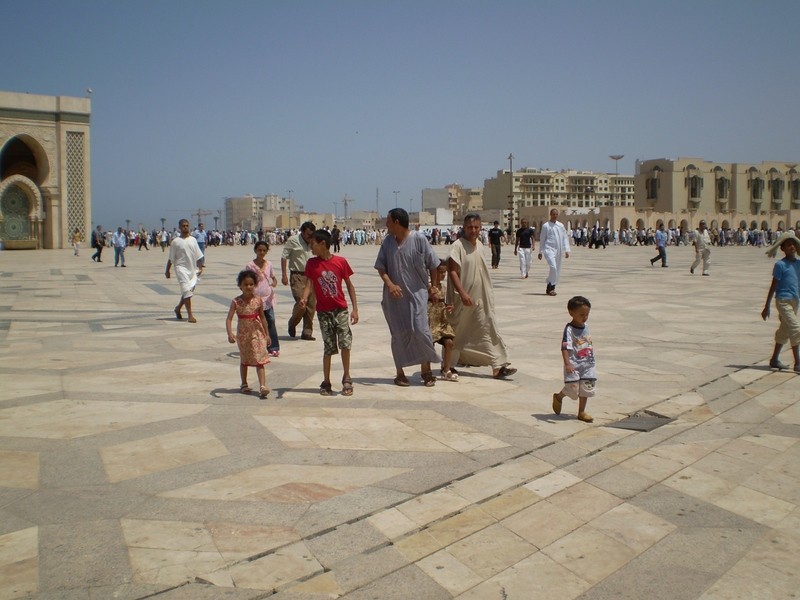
point(197, 100)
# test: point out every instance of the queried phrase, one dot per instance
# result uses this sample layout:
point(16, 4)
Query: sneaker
point(585, 417)
point(556, 404)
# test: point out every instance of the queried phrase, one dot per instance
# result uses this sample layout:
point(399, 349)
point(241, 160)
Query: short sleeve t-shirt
point(326, 277)
point(577, 341)
point(524, 236)
point(495, 236)
point(788, 275)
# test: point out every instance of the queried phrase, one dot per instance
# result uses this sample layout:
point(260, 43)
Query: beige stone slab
point(491, 550)
point(482, 485)
point(392, 523)
point(276, 570)
point(552, 483)
point(633, 526)
point(68, 419)
point(417, 546)
point(19, 469)
point(653, 466)
point(291, 437)
point(171, 567)
point(542, 523)
point(776, 442)
point(236, 541)
point(791, 415)
point(286, 483)
point(467, 441)
point(537, 577)
point(584, 501)
point(755, 505)
point(19, 563)
point(160, 453)
point(698, 484)
point(590, 554)
point(433, 506)
point(13, 388)
point(320, 586)
point(750, 579)
point(167, 535)
point(460, 526)
point(449, 572)
point(523, 469)
point(509, 503)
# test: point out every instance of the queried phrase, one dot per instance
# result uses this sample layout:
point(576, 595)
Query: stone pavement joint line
point(132, 467)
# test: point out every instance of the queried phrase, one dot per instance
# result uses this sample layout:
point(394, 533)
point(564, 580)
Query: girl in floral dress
point(251, 331)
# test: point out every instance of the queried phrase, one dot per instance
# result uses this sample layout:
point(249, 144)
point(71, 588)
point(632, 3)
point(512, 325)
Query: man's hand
point(395, 291)
point(284, 279)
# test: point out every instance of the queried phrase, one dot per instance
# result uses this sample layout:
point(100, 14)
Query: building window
point(723, 185)
point(652, 188)
point(757, 188)
point(776, 189)
point(695, 186)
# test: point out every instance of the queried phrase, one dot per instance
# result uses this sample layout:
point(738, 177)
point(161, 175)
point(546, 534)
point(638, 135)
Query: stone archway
point(20, 212)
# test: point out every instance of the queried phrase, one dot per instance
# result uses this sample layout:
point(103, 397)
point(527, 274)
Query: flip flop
point(402, 381)
point(244, 389)
point(263, 392)
point(504, 372)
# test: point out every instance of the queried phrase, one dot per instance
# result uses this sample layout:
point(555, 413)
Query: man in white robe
point(477, 339)
point(553, 244)
point(186, 257)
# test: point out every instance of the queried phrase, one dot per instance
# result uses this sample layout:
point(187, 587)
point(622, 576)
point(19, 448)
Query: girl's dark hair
point(244, 275)
point(260, 243)
point(577, 301)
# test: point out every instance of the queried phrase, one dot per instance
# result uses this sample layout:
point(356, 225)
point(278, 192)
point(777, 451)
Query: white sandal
point(449, 376)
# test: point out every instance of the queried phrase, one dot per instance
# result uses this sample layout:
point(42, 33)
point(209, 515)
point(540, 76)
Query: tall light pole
point(511, 204)
point(395, 196)
point(616, 158)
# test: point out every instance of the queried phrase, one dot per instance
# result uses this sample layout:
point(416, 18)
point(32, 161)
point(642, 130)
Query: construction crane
point(200, 213)
point(346, 201)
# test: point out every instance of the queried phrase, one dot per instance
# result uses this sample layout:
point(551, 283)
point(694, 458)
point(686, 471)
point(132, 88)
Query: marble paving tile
point(160, 453)
point(651, 465)
point(69, 419)
point(14, 388)
point(698, 484)
point(633, 526)
point(275, 571)
point(537, 577)
point(790, 415)
point(392, 523)
point(460, 526)
point(552, 483)
point(236, 541)
point(776, 442)
point(449, 572)
point(19, 469)
point(417, 546)
point(433, 506)
point(491, 550)
point(19, 563)
point(590, 554)
point(482, 485)
point(542, 523)
point(754, 505)
point(286, 483)
point(510, 502)
point(584, 501)
point(523, 469)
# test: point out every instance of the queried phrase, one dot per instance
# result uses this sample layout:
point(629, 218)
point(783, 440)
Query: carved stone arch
point(30, 189)
point(13, 159)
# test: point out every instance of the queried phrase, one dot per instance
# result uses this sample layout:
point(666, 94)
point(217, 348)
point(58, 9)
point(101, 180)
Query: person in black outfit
point(524, 247)
point(98, 243)
point(495, 240)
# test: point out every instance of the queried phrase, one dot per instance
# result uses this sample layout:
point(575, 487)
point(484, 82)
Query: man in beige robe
point(477, 338)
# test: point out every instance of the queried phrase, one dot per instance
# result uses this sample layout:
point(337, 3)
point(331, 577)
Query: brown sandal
point(325, 389)
point(347, 387)
point(428, 378)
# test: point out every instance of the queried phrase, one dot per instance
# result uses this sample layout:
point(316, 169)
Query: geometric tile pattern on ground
point(69, 419)
point(160, 453)
point(373, 429)
point(286, 483)
point(19, 563)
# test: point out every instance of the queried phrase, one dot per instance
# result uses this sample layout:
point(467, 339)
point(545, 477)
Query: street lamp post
point(127, 224)
point(163, 221)
point(616, 158)
point(395, 192)
point(511, 203)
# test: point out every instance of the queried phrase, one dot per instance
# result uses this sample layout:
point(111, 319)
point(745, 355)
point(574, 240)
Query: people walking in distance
point(120, 241)
point(661, 246)
point(265, 289)
point(440, 305)
point(77, 237)
point(98, 243)
point(785, 287)
point(201, 236)
point(578, 355)
point(251, 331)
point(185, 256)
point(524, 245)
point(496, 237)
point(163, 239)
point(477, 335)
point(143, 235)
point(295, 255)
point(553, 244)
point(407, 266)
point(702, 248)
point(325, 273)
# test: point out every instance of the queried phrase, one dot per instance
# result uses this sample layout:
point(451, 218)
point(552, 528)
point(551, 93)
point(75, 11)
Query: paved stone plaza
point(132, 467)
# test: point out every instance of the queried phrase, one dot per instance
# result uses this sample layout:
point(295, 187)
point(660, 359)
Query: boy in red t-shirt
point(325, 272)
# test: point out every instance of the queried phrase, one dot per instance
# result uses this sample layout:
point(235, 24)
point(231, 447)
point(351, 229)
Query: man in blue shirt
point(661, 244)
point(200, 235)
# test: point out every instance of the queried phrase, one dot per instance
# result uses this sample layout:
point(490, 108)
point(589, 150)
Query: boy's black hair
point(244, 275)
point(261, 243)
point(576, 302)
point(321, 235)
